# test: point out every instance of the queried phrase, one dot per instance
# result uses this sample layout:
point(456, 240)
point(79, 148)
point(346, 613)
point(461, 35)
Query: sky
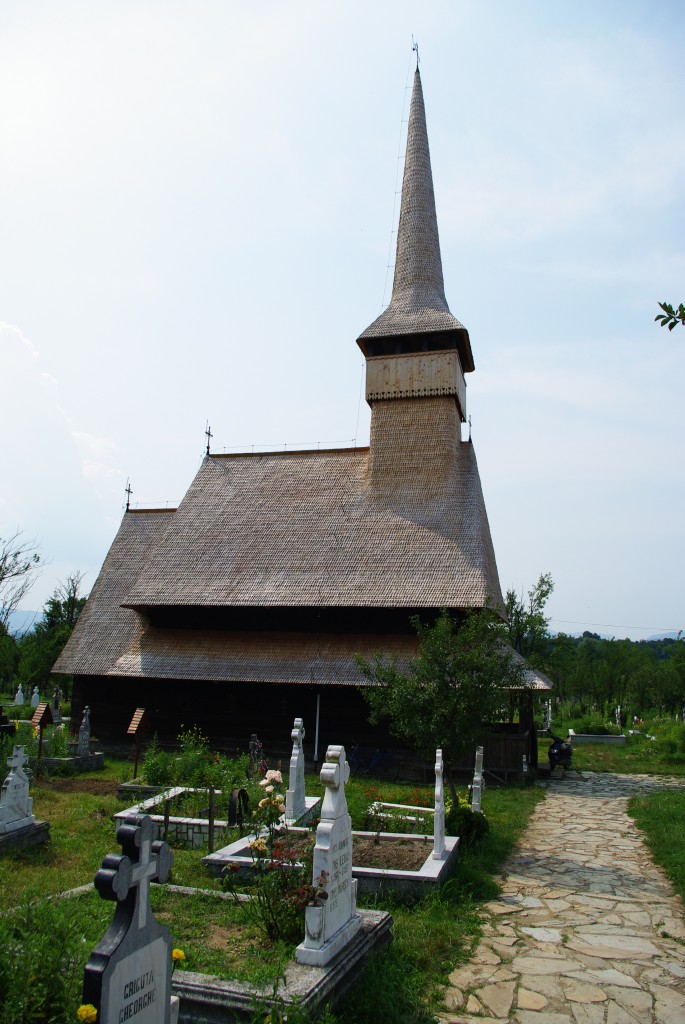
point(197, 214)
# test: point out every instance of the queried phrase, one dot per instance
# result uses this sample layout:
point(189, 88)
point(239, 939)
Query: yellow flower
point(178, 954)
point(87, 1012)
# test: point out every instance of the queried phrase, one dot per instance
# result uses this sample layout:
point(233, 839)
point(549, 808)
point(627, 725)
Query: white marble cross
point(333, 921)
point(335, 773)
point(295, 803)
point(439, 816)
point(16, 806)
point(477, 787)
point(17, 758)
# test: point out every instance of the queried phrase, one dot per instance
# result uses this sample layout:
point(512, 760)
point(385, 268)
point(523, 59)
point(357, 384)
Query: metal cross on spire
point(415, 48)
point(209, 435)
point(128, 492)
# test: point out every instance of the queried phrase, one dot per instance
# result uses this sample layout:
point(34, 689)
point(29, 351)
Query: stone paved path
point(586, 930)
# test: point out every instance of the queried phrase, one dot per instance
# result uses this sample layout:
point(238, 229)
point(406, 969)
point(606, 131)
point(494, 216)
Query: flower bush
point(281, 870)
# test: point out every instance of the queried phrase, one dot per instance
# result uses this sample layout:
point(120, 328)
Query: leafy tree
point(40, 648)
point(451, 692)
point(9, 656)
point(528, 627)
point(671, 317)
point(19, 565)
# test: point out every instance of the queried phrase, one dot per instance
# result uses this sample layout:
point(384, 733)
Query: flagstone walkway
point(588, 929)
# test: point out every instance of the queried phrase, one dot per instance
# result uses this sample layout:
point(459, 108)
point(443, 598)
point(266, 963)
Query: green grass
point(661, 816)
point(402, 984)
point(639, 756)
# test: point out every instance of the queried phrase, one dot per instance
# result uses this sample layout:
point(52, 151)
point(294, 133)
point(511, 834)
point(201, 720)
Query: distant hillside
point(22, 621)
point(665, 636)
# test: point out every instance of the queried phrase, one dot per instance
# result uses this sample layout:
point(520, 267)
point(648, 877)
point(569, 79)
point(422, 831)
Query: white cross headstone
point(330, 926)
point(128, 976)
point(295, 803)
point(83, 746)
point(439, 852)
point(16, 806)
point(477, 787)
point(19, 696)
point(35, 698)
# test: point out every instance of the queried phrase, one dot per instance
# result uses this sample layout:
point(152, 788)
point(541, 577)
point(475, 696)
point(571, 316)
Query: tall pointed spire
point(418, 306)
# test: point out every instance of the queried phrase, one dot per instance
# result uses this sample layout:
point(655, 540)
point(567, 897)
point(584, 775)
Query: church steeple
point(418, 317)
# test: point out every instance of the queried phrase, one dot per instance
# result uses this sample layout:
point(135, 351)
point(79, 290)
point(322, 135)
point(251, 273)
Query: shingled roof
point(418, 304)
point(306, 529)
point(104, 630)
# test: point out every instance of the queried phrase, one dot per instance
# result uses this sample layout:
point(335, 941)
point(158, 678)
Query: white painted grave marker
point(477, 787)
point(35, 699)
point(128, 975)
point(439, 852)
point(19, 696)
point(16, 806)
point(331, 926)
point(295, 804)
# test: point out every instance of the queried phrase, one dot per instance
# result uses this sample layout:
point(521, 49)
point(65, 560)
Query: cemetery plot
point(18, 826)
point(128, 974)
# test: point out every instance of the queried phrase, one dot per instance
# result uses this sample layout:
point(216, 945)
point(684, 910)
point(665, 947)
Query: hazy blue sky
point(196, 206)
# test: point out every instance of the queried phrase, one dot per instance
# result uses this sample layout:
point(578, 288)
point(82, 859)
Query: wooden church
point(249, 604)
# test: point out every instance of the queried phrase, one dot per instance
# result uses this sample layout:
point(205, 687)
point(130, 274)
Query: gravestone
point(439, 852)
point(83, 745)
point(16, 806)
point(19, 696)
point(332, 925)
point(477, 787)
point(128, 975)
point(35, 698)
point(56, 707)
point(547, 720)
point(295, 804)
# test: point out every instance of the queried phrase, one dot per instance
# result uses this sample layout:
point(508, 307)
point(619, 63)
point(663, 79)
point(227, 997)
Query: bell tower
point(416, 351)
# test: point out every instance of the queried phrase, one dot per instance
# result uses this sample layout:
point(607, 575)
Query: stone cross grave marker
point(477, 787)
point(128, 974)
point(56, 707)
point(19, 696)
point(439, 852)
point(547, 720)
point(16, 806)
point(295, 803)
point(332, 925)
point(83, 745)
point(35, 698)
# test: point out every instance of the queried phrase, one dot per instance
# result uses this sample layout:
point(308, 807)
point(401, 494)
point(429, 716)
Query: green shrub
point(469, 825)
point(595, 725)
point(44, 947)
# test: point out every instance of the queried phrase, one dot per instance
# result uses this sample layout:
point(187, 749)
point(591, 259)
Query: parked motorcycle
point(560, 753)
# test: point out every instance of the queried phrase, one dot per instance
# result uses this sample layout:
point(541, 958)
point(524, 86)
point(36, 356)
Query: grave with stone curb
point(337, 936)
point(194, 831)
point(18, 825)
point(81, 758)
point(128, 974)
point(433, 871)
